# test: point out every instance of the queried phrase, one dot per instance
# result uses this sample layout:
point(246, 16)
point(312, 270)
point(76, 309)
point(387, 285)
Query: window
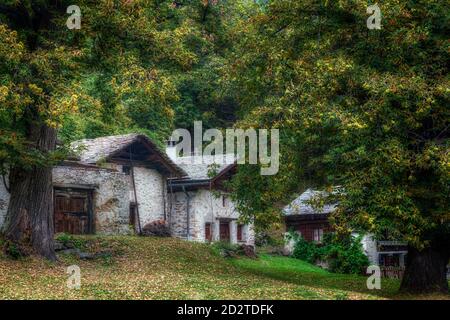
point(240, 228)
point(224, 231)
point(126, 170)
point(317, 235)
point(224, 201)
point(389, 260)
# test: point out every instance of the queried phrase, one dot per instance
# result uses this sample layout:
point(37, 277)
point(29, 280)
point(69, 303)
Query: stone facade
point(206, 207)
point(111, 194)
point(104, 175)
point(151, 194)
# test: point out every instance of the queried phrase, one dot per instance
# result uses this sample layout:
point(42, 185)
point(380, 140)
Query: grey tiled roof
point(197, 167)
point(90, 151)
point(300, 205)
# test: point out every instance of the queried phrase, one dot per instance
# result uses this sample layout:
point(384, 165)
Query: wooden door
point(208, 235)
point(224, 231)
point(239, 232)
point(133, 216)
point(71, 214)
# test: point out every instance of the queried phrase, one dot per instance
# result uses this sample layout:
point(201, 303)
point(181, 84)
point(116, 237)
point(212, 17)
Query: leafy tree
point(117, 73)
point(366, 110)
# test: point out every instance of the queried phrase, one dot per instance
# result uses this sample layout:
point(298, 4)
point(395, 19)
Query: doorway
point(73, 212)
point(224, 231)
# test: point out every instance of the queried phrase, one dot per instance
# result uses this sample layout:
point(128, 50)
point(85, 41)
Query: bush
point(305, 250)
point(68, 241)
point(343, 255)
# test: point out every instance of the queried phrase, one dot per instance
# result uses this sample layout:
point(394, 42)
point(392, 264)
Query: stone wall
point(205, 207)
point(151, 193)
point(111, 195)
point(150, 190)
point(369, 244)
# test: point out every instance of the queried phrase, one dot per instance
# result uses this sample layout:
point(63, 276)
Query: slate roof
point(300, 206)
point(90, 151)
point(197, 167)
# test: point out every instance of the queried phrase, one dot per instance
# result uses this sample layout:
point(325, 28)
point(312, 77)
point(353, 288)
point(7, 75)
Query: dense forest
point(365, 110)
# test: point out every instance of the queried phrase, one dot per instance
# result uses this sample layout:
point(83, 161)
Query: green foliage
point(304, 250)
point(363, 109)
point(13, 250)
point(343, 255)
point(225, 248)
point(69, 240)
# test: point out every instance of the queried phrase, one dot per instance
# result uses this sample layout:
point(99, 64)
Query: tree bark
point(426, 270)
point(29, 220)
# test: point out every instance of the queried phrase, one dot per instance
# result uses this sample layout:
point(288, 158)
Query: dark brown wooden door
point(208, 235)
point(71, 214)
point(224, 231)
point(239, 232)
point(133, 216)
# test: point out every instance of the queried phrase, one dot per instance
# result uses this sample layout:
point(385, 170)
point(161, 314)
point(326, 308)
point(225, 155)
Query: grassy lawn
point(155, 268)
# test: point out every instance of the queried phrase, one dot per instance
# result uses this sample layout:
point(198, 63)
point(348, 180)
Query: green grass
point(166, 268)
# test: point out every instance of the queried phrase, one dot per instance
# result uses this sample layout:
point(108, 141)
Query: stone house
point(312, 223)
point(201, 203)
point(117, 185)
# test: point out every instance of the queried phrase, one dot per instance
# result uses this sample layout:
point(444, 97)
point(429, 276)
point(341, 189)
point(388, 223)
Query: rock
point(157, 228)
point(71, 251)
point(86, 256)
point(59, 246)
point(249, 251)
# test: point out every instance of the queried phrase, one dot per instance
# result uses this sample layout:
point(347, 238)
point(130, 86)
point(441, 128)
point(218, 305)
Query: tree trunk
point(426, 270)
point(29, 219)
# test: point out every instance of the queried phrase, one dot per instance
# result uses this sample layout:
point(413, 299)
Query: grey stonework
point(205, 207)
point(99, 168)
point(111, 195)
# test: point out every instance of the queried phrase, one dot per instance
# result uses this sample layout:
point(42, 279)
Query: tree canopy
point(361, 111)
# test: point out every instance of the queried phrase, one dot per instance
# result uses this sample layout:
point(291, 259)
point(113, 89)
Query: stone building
point(201, 204)
point(118, 184)
point(312, 223)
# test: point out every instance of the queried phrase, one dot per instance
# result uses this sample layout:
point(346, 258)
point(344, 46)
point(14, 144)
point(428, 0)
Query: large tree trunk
point(29, 219)
point(426, 270)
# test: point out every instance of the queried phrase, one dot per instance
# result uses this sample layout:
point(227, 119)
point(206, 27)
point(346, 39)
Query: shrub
point(13, 250)
point(343, 255)
point(69, 241)
point(305, 250)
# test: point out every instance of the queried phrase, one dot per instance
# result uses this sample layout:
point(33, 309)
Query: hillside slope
point(155, 268)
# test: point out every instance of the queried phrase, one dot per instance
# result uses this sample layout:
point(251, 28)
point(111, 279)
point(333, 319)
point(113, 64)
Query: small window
point(318, 235)
point(224, 201)
point(126, 170)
